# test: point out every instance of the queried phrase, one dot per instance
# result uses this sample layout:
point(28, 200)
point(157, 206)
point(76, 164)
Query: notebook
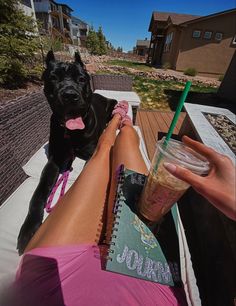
point(134, 249)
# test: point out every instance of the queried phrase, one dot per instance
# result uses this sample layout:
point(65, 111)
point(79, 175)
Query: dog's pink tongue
point(75, 124)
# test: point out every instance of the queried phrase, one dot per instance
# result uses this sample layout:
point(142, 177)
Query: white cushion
point(36, 163)
point(129, 96)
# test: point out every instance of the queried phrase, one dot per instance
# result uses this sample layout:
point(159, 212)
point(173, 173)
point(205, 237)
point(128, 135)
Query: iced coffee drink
point(162, 189)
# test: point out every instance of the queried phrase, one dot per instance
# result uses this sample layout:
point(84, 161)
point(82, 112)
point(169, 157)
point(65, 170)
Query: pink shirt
point(73, 276)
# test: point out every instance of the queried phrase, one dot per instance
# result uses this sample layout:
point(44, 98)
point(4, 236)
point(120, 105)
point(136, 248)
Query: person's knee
point(129, 133)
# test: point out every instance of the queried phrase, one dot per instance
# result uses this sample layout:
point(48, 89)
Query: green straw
point(175, 118)
point(178, 110)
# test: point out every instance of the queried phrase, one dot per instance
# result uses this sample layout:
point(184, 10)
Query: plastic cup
point(162, 190)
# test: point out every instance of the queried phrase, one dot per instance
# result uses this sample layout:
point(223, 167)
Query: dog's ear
point(78, 59)
point(50, 57)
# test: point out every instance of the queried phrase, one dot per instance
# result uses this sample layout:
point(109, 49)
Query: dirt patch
point(9, 94)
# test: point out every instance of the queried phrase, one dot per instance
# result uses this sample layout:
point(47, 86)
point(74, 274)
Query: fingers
point(186, 175)
point(202, 149)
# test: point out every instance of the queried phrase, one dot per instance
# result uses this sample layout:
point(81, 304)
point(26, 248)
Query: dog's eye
point(81, 79)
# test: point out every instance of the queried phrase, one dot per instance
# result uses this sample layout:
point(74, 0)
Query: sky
point(125, 21)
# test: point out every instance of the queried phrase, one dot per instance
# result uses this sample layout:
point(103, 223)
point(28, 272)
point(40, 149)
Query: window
point(53, 7)
point(207, 35)
point(75, 31)
point(197, 34)
point(26, 2)
point(168, 42)
point(82, 32)
point(218, 36)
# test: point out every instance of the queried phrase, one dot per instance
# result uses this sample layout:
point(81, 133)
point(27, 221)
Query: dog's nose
point(69, 96)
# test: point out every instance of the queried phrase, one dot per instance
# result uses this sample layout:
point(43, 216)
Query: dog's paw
point(27, 231)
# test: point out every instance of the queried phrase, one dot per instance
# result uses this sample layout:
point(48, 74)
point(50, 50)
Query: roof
point(144, 42)
point(211, 16)
point(178, 19)
point(175, 18)
point(63, 4)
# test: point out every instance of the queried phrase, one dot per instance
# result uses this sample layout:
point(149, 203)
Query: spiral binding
point(116, 210)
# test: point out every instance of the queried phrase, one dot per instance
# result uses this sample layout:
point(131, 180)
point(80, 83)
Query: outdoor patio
point(206, 236)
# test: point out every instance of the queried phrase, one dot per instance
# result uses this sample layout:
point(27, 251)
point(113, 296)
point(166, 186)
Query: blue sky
point(125, 21)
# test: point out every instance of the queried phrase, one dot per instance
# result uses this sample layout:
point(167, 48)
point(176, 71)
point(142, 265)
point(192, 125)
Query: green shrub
point(221, 78)
point(166, 66)
point(36, 71)
point(13, 73)
point(190, 72)
point(54, 43)
point(18, 44)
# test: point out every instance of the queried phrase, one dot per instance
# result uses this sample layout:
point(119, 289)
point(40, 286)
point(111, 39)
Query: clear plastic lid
point(184, 156)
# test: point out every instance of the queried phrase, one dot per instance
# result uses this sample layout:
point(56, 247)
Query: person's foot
point(126, 121)
point(122, 109)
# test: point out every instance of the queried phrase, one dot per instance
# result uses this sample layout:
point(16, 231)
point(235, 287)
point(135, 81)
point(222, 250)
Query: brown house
point(142, 47)
point(186, 41)
point(55, 18)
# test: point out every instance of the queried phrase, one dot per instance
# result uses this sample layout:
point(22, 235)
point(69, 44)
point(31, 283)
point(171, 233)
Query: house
point(80, 31)
point(28, 7)
point(55, 18)
point(142, 47)
point(206, 43)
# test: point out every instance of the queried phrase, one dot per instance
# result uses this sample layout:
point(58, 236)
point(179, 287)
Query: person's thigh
point(125, 152)
point(78, 214)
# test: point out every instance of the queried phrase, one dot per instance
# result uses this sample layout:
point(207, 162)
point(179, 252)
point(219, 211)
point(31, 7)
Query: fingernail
point(170, 167)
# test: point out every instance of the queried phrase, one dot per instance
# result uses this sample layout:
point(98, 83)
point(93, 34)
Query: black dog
point(79, 118)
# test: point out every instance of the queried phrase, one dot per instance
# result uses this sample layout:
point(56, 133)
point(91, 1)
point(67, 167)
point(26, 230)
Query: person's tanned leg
point(125, 151)
point(77, 216)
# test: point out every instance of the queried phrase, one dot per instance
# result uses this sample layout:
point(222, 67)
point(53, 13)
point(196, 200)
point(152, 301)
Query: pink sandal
point(121, 108)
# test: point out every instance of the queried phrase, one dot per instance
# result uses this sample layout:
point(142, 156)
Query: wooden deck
point(152, 122)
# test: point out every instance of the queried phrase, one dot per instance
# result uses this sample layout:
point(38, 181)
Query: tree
point(119, 49)
point(96, 42)
point(18, 42)
point(92, 42)
point(102, 42)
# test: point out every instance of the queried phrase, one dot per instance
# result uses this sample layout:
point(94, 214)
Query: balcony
point(55, 13)
point(66, 11)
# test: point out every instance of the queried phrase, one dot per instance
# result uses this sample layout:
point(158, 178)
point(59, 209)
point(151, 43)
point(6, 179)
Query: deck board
point(147, 133)
point(152, 122)
point(179, 122)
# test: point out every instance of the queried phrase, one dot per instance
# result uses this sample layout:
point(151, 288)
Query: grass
point(159, 95)
point(130, 64)
point(155, 94)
